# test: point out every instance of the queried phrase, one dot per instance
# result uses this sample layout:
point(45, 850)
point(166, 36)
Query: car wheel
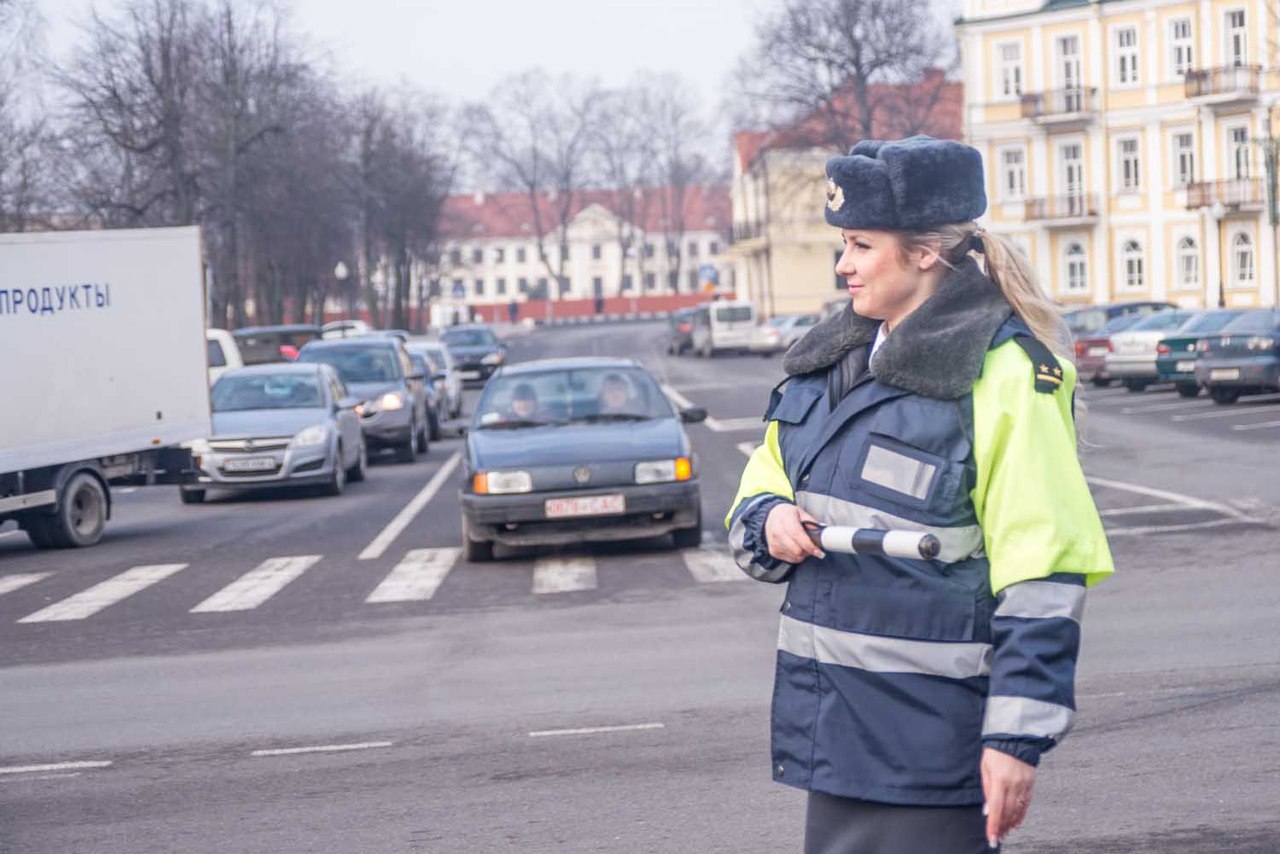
point(434, 431)
point(1136, 385)
point(1188, 390)
point(360, 470)
point(80, 516)
point(407, 451)
point(478, 551)
point(1224, 396)
point(191, 496)
point(1101, 382)
point(423, 444)
point(338, 480)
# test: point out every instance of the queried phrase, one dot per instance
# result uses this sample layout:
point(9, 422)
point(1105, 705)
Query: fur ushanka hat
point(905, 185)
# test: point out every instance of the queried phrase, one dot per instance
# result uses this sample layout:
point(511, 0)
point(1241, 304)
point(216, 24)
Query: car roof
point(567, 363)
point(351, 343)
point(300, 368)
point(286, 327)
point(462, 326)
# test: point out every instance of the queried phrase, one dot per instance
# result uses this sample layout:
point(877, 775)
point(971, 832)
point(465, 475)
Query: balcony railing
point(743, 231)
point(1057, 104)
point(1233, 194)
point(1074, 206)
point(1240, 81)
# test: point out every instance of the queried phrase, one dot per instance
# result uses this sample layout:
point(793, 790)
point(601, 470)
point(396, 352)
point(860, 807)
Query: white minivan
point(723, 325)
point(223, 353)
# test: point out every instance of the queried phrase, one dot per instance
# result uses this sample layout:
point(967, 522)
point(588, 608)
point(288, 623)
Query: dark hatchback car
point(476, 350)
point(1244, 358)
point(573, 450)
point(680, 331)
point(1092, 349)
point(1176, 354)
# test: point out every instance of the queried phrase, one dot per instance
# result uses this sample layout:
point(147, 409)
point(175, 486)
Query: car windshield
point(240, 392)
point(1160, 321)
point(357, 364)
point(469, 338)
point(1210, 321)
point(1119, 324)
point(1254, 321)
point(583, 395)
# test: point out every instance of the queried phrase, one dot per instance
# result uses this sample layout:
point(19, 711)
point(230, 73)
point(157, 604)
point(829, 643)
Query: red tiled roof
point(489, 215)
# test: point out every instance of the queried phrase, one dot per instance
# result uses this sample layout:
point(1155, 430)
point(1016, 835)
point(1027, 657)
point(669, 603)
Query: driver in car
point(524, 403)
point(615, 396)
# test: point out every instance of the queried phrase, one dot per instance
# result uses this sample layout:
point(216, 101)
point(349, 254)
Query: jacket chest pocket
point(926, 475)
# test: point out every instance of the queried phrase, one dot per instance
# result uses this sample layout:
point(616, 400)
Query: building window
point(673, 281)
point(693, 280)
point(1242, 272)
point(650, 281)
point(455, 257)
point(1130, 176)
point(1184, 159)
point(479, 287)
point(1127, 56)
point(1188, 262)
point(648, 250)
point(1181, 44)
point(713, 248)
point(1010, 73)
point(693, 249)
point(1238, 146)
point(477, 256)
point(522, 284)
point(1077, 269)
point(626, 282)
point(564, 252)
point(1013, 168)
point(565, 285)
point(501, 287)
point(595, 251)
point(499, 255)
point(1237, 48)
point(459, 289)
point(542, 291)
point(597, 286)
point(521, 255)
point(1134, 276)
point(672, 249)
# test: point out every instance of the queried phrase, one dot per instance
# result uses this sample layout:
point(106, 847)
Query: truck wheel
point(478, 551)
point(1188, 390)
point(191, 496)
point(80, 516)
point(38, 532)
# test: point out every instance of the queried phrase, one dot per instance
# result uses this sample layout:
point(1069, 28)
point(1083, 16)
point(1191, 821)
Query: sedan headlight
point(492, 359)
point(664, 471)
point(390, 402)
point(502, 482)
point(310, 437)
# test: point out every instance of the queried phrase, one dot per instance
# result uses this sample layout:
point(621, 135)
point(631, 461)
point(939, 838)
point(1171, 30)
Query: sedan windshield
point(1210, 321)
point(470, 338)
point(357, 364)
point(237, 393)
point(581, 395)
point(1254, 321)
point(1160, 321)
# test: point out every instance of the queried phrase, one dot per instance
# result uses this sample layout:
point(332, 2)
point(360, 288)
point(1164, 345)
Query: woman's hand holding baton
point(794, 535)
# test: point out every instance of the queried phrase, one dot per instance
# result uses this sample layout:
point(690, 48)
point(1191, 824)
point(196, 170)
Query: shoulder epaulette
point(1048, 372)
point(775, 397)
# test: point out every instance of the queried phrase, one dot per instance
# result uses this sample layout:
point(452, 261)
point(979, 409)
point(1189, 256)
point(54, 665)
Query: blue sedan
point(572, 450)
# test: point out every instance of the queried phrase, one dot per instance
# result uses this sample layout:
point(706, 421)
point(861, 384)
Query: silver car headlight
point(492, 359)
point(391, 401)
point(502, 482)
point(664, 471)
point(317, 434)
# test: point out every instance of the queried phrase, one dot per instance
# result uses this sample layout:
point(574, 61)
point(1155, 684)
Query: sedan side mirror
point(693, 415)
point(348, 403)
point(416, 376)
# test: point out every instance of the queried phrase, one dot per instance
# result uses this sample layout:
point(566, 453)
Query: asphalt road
point(253, 695)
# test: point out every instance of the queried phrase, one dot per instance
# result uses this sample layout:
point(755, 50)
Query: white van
point(723, 325)
point(223, 352)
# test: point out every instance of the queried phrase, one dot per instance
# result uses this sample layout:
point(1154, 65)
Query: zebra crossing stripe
point(712, 566)
point(417, 577)
point(564, 575)
point(10, 583)
point(258, 585)
point(88, 602)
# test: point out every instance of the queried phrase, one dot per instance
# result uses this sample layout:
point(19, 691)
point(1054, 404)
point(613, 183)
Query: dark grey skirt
point(836, 825)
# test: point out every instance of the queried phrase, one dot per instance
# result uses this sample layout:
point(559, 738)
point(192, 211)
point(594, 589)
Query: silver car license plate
point(471, 375)
point(250, 464)
point(1224, 374)
point(1184, 367)
point(591, 505)
point(1097, 351)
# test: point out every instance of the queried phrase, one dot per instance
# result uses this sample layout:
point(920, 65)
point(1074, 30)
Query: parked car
point(476, 349)
point(260, 345)
point(1090, 319)
point(222, 351)
point(1132, 358)
point(1092, 348)
point(448, 381)
point(378, 371)
point(778, 333)
point(1243, 358)
point(279, 425)
point(567, 450)
point(1176, 354)
point(723, 325)
point(344, 329)
point(680, 331)
point(426, 366)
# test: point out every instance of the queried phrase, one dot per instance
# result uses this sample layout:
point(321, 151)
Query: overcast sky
point(463, 48)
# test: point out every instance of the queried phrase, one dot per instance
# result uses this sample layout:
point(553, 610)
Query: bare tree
point(848, 69)
point(625, 143)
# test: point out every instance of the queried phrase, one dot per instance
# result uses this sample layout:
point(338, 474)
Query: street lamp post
point(1217, 211)
point(340, 272)
point(1270, 155)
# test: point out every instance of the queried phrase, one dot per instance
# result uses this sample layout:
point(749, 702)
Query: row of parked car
point(1229, 352)
point(303, 405)
point(722, 326)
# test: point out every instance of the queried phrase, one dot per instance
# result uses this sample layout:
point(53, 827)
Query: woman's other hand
point(784, 532)
point(1006, 785)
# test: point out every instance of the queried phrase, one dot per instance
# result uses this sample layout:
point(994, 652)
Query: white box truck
point(103, 372)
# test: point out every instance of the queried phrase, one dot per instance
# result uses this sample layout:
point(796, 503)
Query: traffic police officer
point(914, 696)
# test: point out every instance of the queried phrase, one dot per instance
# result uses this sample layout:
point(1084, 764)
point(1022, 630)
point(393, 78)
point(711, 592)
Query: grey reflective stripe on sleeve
point(898, 472)
point(1024, 716)
point(958, 543)
point(1042, 599)
point(880, 654)
point(744, 557)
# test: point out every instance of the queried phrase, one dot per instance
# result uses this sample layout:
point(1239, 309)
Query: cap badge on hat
point(835, 195)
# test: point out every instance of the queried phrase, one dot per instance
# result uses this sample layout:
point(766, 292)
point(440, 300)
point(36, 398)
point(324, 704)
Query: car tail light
point(1202, 346)
point(685, 327)
point(1163, 349)
point(1111, 348)
point(1079, 349)
point(1258, 343)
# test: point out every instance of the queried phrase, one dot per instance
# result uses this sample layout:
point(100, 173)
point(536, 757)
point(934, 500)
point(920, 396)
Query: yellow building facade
point(1126, 141)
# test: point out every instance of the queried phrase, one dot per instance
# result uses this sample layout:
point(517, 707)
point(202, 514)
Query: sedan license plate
point(1097, 351)
point(251, 464)
point(1224, 374)
point(471, 375)
point(1184, 367)
point(591, 505)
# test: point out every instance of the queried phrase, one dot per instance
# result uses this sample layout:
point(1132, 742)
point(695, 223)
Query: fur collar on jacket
point(937, 351)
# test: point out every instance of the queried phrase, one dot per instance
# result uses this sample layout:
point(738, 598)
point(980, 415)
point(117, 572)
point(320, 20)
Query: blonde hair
point(1005, 266)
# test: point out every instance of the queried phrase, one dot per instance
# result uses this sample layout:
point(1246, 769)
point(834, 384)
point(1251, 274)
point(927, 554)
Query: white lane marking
point(1262, 425)
point(1227, 411)
point(396, 526)
point(86, 603)
point(1172, 497)
point(417, 577)
point(10, 534)
point(10, 583)
point(257, 585)
point(747, 448)
point(1161, 407)
point(321, 748)
point(55, 766)
point(596, 730)
point(1169, 529)
point(564, 575)
point(127, 490)
point(1146, 508)
point(712, 566)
